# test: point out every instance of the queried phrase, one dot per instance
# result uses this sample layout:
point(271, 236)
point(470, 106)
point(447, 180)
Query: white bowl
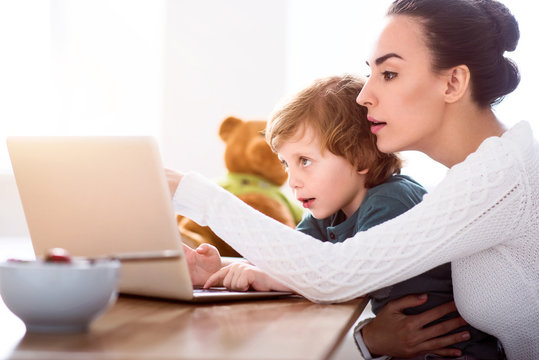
point(58, 297)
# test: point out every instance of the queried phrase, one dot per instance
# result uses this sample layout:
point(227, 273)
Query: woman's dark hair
point(475, 33)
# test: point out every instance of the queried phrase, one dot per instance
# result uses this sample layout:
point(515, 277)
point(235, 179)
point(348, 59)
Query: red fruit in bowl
point(57, 255)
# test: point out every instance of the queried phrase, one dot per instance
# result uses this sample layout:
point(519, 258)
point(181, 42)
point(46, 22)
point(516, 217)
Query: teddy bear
point(255, 175)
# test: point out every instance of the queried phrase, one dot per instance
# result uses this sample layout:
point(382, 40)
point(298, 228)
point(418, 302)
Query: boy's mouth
point(307, 202)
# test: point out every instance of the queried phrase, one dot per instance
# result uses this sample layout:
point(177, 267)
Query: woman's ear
point(458, 83)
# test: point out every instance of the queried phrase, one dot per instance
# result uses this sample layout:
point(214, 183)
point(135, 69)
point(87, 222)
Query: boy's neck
point(354, 205)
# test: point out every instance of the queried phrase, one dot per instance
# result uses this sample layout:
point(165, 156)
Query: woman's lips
point(376, 125)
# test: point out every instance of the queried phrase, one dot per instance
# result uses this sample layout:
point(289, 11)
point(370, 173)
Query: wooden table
point(143, 328)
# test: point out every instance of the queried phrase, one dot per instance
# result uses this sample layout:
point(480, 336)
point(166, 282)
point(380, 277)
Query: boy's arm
point(242, 276)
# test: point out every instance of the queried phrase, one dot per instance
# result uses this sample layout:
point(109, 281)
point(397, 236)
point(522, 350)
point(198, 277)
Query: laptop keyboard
point(210, 290)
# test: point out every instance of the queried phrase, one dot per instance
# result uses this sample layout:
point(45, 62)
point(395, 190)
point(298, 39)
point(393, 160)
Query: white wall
point(172, 69)
point(222, 58)
point(176, 68)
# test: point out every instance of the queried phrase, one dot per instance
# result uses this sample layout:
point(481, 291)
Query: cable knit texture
point(484, 217)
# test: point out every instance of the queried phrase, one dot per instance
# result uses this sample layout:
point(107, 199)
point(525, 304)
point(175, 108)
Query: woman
point(437, 69)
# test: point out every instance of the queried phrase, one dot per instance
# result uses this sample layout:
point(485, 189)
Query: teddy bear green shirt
point(239, 183)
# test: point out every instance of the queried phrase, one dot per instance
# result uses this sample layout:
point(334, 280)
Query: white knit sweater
point(483, 217)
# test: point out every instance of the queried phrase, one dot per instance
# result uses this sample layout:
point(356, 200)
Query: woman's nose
point(365, 97)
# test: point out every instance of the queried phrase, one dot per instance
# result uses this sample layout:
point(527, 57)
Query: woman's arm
point(471, 210)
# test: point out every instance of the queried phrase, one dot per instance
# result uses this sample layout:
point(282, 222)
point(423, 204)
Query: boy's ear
point(363, 172)
point(458, 82)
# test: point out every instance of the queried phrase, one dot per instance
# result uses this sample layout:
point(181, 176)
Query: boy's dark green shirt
point(396, 195)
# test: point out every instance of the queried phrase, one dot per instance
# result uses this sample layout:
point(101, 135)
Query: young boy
point(336, 171)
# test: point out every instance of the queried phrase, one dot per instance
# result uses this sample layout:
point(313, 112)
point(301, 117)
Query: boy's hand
point(202, 262)
point(242, 277)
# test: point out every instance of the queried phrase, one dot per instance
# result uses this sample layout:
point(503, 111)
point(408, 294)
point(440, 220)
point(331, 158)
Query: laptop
point(99, 195)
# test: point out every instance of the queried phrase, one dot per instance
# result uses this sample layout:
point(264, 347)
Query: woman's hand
point(241, 276)
point(173, 179)
point(202, 262)
point(393, 333)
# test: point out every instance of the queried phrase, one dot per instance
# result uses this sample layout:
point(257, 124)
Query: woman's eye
point(389, 75)
point(285, 165)
point(305, 162)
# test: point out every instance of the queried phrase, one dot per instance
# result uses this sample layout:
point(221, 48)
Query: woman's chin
point(386, 147)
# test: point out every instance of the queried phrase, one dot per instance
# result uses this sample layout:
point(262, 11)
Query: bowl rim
point(75, 264)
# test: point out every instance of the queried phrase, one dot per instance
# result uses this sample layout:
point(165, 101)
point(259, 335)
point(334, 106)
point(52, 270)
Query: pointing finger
point(216, 279)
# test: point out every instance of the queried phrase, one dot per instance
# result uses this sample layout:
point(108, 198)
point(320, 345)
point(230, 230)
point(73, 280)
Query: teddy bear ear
point(227, 126)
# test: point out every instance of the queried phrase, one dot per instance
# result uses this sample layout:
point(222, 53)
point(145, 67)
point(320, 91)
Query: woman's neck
point(462, 133)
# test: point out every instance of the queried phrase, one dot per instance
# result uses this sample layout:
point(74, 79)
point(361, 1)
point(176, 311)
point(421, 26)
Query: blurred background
point(175, 69)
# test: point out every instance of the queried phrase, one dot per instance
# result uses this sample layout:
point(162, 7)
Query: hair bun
point(504, 22)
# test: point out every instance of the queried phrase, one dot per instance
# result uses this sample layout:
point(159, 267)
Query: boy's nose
point(294, 181)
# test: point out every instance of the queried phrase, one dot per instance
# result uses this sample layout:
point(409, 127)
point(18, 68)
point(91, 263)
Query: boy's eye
point(305, 162)
point(389, 75)
point(285, 165)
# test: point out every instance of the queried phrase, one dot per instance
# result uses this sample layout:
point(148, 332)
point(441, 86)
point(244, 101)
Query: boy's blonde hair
point(329, 107)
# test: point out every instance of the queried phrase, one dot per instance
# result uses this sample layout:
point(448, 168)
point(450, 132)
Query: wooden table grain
point(144, 328)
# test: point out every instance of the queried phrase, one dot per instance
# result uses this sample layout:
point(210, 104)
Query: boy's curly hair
point(329, 107)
